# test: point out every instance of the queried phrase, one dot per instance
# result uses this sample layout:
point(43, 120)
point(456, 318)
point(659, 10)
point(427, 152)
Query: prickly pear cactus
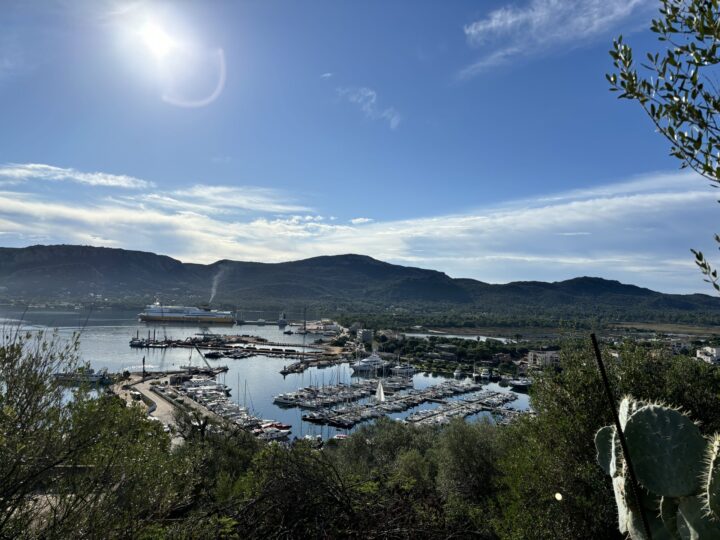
point(679, 473)
point(693, 521)
point(604, 445)
point(666, 449)
point(669, 515)
point(711, 479)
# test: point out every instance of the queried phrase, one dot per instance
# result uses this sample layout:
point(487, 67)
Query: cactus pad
point(621, 503)
point(669, 515)
point(667, 450)
point(693, 523)
point(657, 527)
point(604, 445)
point(711, 485)
point(628, 405)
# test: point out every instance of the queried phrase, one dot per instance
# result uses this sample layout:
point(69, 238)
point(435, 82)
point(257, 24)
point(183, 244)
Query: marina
point(313, 397)
point(467, 406)
point(254, 382)
point(347, 416)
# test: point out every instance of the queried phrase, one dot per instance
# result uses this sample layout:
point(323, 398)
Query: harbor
point(254, 382)
point(347, 416)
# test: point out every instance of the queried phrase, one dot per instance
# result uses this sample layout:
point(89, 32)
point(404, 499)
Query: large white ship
point(183, 314)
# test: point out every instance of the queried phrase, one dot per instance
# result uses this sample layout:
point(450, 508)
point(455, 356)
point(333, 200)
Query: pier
point(231, 346)
point(314, 397)
point(347, 416)
point(482, 401)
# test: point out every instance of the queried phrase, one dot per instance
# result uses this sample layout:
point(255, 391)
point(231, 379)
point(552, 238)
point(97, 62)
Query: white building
point(711, 355)
point(542, 359)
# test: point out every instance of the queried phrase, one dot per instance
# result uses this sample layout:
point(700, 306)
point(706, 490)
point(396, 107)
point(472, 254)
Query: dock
point(347, 416)
point(482, 401)
point(318, 397)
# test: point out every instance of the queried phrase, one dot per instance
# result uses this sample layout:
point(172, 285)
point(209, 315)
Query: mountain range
point(342, 282)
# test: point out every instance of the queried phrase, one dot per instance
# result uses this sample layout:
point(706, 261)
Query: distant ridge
point(72, 273)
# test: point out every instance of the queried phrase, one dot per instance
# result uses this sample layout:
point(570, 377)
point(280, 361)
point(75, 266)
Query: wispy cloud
point(360, 220)
point(327, 75)
point(367, 100)
point(638, 231)
point(24, 172)
point(541, 25)
point(221, 199)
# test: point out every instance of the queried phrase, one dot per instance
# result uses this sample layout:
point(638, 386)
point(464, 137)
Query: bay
point(104, 343)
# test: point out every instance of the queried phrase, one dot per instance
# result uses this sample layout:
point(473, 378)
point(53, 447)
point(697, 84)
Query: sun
point(157, 40)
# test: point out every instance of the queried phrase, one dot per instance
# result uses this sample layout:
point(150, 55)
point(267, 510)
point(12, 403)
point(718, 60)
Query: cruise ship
point(182, 314)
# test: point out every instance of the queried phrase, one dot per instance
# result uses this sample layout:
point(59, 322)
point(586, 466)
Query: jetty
point(467, 406)
point(346, 416)
point(229, 346)
point(317, 397)
point(212, 398)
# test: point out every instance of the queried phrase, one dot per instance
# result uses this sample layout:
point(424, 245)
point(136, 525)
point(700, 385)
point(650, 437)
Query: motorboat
point(371, 364)
point(403, 370)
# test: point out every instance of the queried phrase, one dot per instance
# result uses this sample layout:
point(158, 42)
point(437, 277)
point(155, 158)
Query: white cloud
point(540, 25)
point(637, 231)
point(367, 100)
point(24, 172)
point(327, 75)
point(360, 220)
point(204, 198)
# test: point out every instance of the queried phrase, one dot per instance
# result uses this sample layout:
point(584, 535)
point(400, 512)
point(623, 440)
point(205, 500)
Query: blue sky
point(476, 138)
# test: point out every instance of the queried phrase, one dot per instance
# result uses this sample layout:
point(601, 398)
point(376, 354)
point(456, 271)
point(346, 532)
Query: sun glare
point(157, 40)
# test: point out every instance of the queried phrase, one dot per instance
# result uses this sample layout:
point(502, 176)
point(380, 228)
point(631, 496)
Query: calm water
point(104, 337)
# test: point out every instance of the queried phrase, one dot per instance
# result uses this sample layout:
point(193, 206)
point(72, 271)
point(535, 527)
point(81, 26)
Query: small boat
point(404, 370)
point(288, 332)
point(458, 373)
point(84, 376)
point(277, 425)
point(520, 385)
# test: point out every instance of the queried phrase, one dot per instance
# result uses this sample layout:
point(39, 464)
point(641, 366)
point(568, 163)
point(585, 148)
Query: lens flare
point(157, 40)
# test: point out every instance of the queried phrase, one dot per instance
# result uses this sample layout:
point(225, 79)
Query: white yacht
point(403, 370)
point(371, 364)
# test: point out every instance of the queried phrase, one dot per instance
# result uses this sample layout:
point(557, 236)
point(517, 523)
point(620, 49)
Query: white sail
point(380, 392)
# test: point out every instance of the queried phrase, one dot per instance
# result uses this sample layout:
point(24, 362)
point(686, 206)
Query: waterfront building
point(543, 359)
point(711, 355)
point(365, 335)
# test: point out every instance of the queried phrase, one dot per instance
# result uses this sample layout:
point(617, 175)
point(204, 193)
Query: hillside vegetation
point(332, 284)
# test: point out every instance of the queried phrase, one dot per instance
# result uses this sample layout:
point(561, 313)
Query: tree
point(73, 463)
point(676, 88)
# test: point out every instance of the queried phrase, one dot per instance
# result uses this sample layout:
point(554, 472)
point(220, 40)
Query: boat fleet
point(347, 415)
point(481, 401)
point(316, 397)
point(214, 396)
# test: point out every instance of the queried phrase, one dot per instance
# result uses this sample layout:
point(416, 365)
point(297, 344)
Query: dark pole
point(143, 373)
point(633, 480)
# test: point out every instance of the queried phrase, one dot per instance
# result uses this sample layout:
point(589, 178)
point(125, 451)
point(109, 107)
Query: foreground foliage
point(91, 467)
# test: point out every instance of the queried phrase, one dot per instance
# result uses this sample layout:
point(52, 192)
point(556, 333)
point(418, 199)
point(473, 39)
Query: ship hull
point(192, 319)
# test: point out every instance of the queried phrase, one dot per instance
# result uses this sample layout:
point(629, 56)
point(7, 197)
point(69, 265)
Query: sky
point(475, 138)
